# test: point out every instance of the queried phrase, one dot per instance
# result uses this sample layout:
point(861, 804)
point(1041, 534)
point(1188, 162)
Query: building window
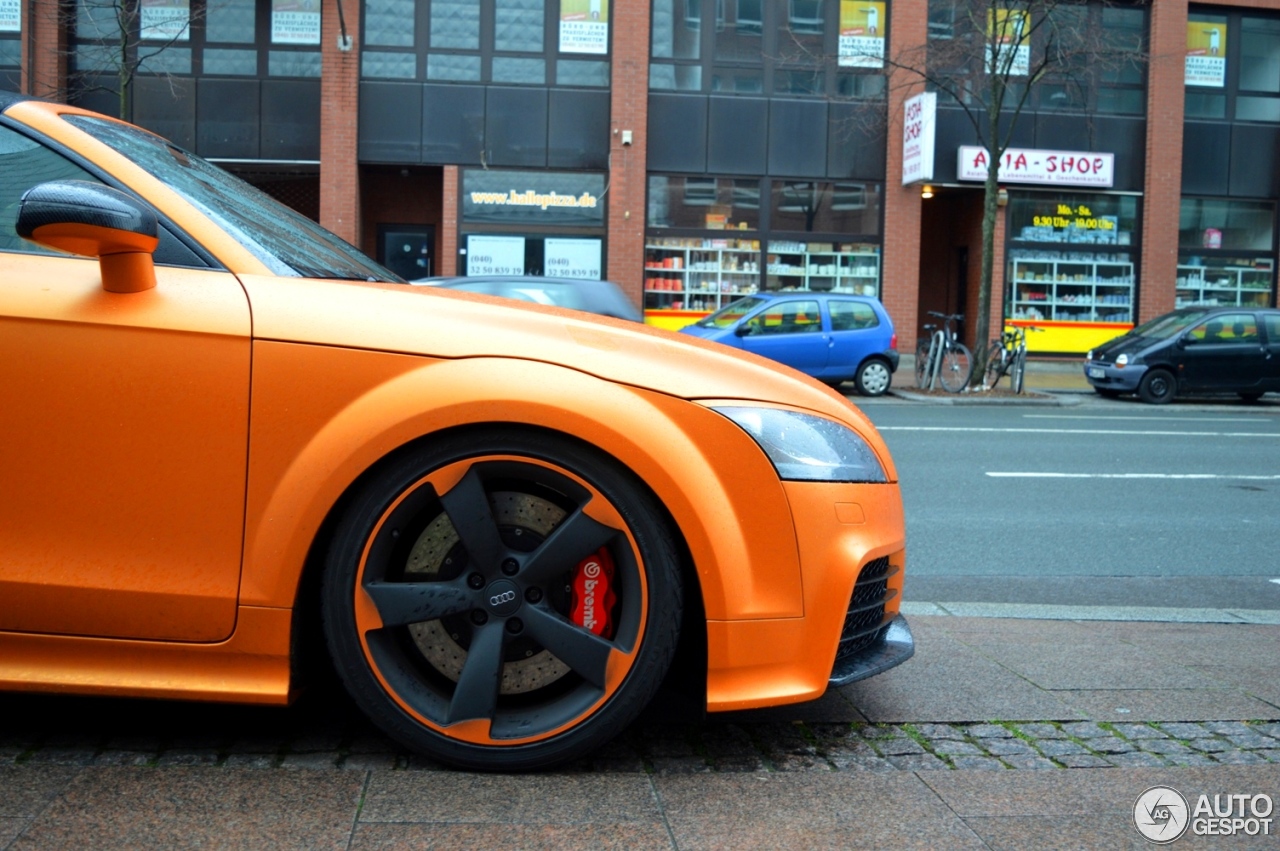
point(511, 42)
point(796, 48)
point(1233, 67)
point(10, 45)
point(1226, 252)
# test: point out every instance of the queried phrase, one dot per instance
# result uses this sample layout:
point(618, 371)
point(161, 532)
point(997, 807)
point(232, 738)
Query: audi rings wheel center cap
point(502, 598)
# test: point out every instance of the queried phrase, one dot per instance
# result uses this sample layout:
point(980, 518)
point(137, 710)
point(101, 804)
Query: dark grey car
point(600, 297)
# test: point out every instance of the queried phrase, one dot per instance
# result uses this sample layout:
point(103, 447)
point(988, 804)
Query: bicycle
point(1007, 356)
point(943, 358)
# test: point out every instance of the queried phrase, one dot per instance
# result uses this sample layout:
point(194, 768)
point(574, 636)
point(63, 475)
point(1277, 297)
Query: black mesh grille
point(864, 623)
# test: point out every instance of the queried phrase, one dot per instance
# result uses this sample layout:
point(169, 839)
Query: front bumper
point(1124, 380)
point(893, 646)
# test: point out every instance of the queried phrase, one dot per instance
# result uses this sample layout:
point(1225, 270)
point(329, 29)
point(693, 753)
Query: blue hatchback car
point(833, 337)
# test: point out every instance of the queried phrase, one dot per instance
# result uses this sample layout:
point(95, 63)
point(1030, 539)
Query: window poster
point(861, 34)
point(10, 16)
point(1206, 54)
point(1009, 42)
point(495, 255)
point(164, 20)
point(584, 26)
point(572, 258)
point(295, 21)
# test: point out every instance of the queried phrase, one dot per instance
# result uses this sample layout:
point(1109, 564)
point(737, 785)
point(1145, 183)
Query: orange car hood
point(451, 324)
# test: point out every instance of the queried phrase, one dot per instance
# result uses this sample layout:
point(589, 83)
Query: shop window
point(1226, 252)
point(712, 203)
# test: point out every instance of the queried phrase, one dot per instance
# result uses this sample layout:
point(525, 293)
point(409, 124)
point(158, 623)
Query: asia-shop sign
point(10, 16)
point(861, 42)
point(1206, 54)
point(295, 21)
point(918, 132)
point(495, 255)
point(1008, 42)
point(584, 26)
point(571, 258)
point(165, 20)
point(1028, 165)
point(532, 197)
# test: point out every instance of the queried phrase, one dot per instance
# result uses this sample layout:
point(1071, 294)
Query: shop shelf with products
point(1059, 287)
point(1213, 285)
point(698, 275)
point(823, 267)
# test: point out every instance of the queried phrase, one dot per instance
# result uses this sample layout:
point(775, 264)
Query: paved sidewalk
point(1001, 733)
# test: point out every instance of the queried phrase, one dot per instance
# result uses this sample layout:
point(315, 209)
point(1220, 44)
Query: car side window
point(1272, 321)
point(789, 317)
point(24, 163)
point(851, 315)
point(1225, 329)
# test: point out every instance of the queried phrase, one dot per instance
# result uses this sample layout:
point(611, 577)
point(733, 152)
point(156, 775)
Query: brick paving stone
point(873, 733)
point(1084, 730)
point(1060, 747)
point(1213, 745)
point(61, 756)
point(737, 763)
point(1027, 760)
point(148, 744)
point(1137, 759)
point(1043, 731)
point(1139, 731)
point(899, 747)
point(934, 732)
point(1184, 760)
point(251, 760)
point(1239, 758)
point(124, 758)
point(977, 763)
point(618, 765)
point(312, 760)
point(257, 745)
point(1003, 747)
point(800, 762)
point(825, 730)
point(1109, 745)
point(989, 731)
point(1084, 761)
point(844, 762)
point(188, 757)
point(957, 748)
point(1185, 731)
point(1272, 729)
point(369, 761)
point(918, 762)
point(1250, 740)
point(1272, 754)
point(1228, 728)
point(849, 748)
point(417, 762)
point(680, 765)
point(1163, 746)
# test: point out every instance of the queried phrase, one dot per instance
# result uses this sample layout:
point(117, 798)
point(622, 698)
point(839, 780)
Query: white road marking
point(1151, 419)
point(1133, 476)
point(913, 608)
point(1276, 581)
point(1082, 431)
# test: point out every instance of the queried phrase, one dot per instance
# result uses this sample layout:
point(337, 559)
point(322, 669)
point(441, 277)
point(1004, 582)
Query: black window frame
point(1231, 91)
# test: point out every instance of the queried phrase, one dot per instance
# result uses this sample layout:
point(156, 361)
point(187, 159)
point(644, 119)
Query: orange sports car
point(229, 438)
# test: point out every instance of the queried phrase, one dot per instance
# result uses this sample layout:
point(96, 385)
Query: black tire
point(440, 606)
point(957, 366)
point(1106, 393)
point(995, 365)
point(1157, 387)
point(1250, 397)
point(873, 377)
point(1019, 371)
point(922, 364)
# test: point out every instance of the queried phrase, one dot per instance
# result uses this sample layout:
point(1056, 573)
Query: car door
point(123, 437)
point(1224, 352)
point(789, 331)
point(1270, 322)
point(855, 333)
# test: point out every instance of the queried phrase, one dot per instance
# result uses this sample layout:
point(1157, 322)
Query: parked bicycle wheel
point(957, 365)
point(995, 365)
point(1018, 370)
point(922, 364)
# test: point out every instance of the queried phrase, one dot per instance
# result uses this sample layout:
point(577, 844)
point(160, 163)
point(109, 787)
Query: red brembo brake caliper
point(593, 596)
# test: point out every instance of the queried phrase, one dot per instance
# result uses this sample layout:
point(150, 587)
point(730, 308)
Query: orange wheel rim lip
point(478, 731)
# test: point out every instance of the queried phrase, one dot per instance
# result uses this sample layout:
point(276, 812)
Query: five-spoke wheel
point(502, 599)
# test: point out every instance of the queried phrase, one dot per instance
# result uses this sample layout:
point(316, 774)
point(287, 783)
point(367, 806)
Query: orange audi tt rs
point(228, 439)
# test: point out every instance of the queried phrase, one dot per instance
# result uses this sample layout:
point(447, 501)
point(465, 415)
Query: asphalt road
point(1107, 503)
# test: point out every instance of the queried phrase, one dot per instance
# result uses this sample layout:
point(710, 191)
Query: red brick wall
point(448, 252)
point(900, 285)
point(629, 107)
point(339, 110)
point(1163, 182)
point(44, 55)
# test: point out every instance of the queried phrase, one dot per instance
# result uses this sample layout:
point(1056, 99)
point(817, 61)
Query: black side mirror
point(743, 330)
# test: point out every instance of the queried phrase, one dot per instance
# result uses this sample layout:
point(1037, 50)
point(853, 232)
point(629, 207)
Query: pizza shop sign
point(1031, 165)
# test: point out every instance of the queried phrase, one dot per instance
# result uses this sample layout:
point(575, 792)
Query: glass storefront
point(1226, 252)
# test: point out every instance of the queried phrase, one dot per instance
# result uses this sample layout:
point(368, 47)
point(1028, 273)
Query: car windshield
point(289, 243)
point(731, 313)
point(1169, 325)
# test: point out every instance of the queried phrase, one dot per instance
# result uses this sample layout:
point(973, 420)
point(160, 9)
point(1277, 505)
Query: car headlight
point(1122, 361)
point(807, 448)
point(1089, 356)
